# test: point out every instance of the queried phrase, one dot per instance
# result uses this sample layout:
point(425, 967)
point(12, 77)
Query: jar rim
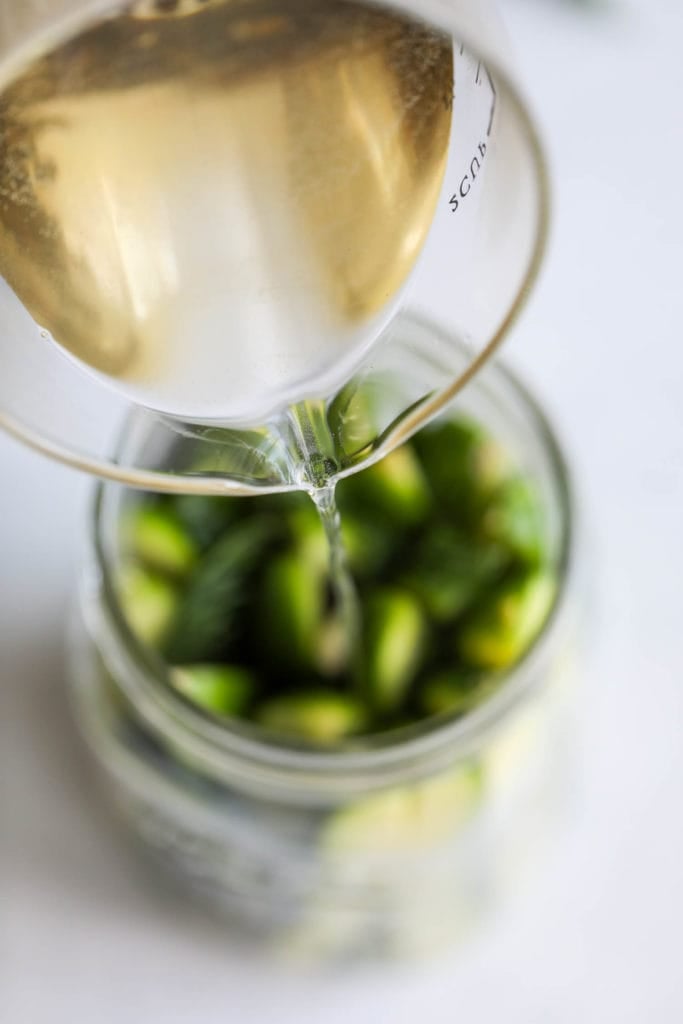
point(243, 753)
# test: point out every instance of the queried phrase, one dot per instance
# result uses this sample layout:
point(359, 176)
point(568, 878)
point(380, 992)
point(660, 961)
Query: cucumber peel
point(514, 519)
point(158, 539)
point(292, 608)
point(394, 640)
point(501, 631)
point(395, 489)
point(149, 603)
point(320, 717)
point(221, 689)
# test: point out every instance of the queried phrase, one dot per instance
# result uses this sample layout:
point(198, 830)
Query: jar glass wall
point(390, 846)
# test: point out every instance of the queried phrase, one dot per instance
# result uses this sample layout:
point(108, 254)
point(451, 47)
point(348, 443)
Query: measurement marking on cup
point(493, 105)
point(468, 179)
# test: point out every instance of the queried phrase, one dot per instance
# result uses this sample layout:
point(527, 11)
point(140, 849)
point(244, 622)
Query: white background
point(86, 937)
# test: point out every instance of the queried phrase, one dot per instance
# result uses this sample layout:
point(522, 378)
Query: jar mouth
point(246, 753)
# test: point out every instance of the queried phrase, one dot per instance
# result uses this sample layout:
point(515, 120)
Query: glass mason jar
point(386, 848)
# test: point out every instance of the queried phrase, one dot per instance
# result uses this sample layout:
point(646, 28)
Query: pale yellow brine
point(214, 201)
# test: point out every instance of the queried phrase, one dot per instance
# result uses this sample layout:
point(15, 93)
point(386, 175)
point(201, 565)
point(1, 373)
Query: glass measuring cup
point(444, 141)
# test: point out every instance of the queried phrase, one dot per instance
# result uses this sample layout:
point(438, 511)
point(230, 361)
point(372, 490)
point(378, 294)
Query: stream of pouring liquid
point(215, 203)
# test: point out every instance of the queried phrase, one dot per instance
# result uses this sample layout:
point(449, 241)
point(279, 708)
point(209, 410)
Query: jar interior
point(498, 402)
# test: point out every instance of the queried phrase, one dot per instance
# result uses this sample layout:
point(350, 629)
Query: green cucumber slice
point(321, 717)
point(149, 603)
point(221, 689)
point(503, 628)
point(394, 641)
point(155, 536)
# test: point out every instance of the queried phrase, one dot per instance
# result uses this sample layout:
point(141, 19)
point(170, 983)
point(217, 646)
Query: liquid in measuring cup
point(212, 203)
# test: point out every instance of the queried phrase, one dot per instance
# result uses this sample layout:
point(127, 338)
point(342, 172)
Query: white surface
point(84, 935)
